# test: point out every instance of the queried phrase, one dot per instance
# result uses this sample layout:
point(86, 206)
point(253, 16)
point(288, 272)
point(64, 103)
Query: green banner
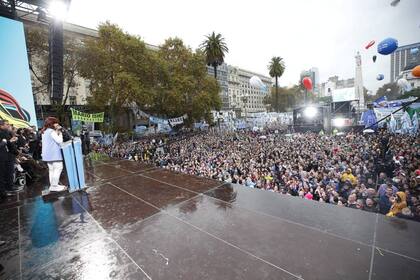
point(86, 117)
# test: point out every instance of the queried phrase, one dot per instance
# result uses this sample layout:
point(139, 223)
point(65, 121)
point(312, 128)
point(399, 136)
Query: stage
point(141, 222)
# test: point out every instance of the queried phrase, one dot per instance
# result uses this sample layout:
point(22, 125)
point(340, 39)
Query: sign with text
point(86, 117)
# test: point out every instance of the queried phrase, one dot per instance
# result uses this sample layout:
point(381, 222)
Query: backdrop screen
point(344, 94)
point(16, 99)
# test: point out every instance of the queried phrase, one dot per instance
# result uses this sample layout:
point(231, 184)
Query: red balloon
point(307, 83)
point(371, 43)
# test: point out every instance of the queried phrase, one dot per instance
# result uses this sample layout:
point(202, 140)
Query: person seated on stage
point(8, 152)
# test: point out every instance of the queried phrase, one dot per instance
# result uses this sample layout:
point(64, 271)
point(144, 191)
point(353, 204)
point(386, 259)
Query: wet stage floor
point(140, 222)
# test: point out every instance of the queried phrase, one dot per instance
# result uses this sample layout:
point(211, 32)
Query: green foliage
point(214, 48)
point(288, 98)
point(170, 82)
point(276, 67)
point(120, 70)
point(188, 89)
point(414, 92)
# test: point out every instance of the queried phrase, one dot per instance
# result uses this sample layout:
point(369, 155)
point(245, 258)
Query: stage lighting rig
point(310, 112)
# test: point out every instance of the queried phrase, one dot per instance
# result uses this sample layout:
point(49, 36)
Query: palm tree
point(214, 47)
point(276, 68)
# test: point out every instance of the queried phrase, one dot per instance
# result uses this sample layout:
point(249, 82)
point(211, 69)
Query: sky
point(306, 33)
point(15, 77)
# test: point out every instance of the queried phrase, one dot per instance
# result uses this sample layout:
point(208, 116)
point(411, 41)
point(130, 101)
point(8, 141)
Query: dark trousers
point(7, 168)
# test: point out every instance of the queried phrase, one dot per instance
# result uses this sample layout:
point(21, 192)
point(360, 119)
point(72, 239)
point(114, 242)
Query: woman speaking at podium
point(52, 137)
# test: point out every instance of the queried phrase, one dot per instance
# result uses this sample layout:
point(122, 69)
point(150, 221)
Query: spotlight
point(310, 112)
point(338, 122)
point(58, 9)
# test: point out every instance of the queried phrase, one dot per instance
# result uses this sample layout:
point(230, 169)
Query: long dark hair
point(49, 123)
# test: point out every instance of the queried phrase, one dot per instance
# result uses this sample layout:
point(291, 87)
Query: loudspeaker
point(56, 49)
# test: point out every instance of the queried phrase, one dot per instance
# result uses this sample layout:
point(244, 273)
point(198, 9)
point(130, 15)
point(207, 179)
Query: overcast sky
point(305, 33)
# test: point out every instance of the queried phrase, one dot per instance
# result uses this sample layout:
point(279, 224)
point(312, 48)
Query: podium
point(73, 160)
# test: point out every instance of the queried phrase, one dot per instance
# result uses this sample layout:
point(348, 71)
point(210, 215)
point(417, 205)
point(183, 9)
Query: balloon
point(380, 77)
point(388, 90)
point(414, 51)
point(404, 84)
point(255, 81)
point(395, 3)
point(416, 71)
point(370, 44)
point(307, 83)
point(374, 58)
point(387, 46)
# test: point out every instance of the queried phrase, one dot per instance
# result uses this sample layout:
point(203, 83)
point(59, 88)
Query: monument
point(359, 82)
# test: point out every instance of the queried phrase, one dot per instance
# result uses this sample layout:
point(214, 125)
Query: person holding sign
point(52, 137)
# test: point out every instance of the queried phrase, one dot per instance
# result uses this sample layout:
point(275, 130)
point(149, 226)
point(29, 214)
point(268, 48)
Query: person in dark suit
point(8, 152)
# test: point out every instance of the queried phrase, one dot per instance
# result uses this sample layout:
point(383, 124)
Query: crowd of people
point(20, 151)
point(375, 172)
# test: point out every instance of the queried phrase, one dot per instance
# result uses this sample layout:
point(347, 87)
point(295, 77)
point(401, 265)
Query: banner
point(16, 98)
point(176, 121)
point(156, 120)
point(86, 117)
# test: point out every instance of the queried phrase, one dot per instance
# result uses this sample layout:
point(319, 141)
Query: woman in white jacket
point(52, 137)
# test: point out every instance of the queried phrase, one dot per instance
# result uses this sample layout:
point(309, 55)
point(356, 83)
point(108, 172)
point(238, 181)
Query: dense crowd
point(376, 172)
point(20, 152)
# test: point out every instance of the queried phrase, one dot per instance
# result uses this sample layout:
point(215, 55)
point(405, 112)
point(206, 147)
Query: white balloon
point(404, 84)
point(255, 81)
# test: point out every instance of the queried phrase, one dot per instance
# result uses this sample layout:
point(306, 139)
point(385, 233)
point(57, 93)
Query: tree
point(214, 48)
point(390, 90)
point(120, 69)
point(289, 98)
point(38, 56)
point(276, 68)
point(414, 93)
point(188, 89)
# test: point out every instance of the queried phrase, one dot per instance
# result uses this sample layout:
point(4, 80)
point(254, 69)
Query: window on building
point(72, 100)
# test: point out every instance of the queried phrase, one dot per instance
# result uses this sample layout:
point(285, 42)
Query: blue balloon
point(380, 77)
point(387, 46)
point(414, 51)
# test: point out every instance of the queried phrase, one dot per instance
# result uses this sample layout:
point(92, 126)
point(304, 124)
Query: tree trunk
point(215, 71)
point(277, 95)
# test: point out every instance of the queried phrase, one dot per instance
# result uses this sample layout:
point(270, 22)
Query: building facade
point(404, 58)
point(313, 74)
point(243, 97)
point(333, 83)
point(222, 79)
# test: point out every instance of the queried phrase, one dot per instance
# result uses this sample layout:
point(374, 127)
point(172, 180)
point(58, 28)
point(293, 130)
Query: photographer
point(8, 152)
point(85, 138)
point(52, 137)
